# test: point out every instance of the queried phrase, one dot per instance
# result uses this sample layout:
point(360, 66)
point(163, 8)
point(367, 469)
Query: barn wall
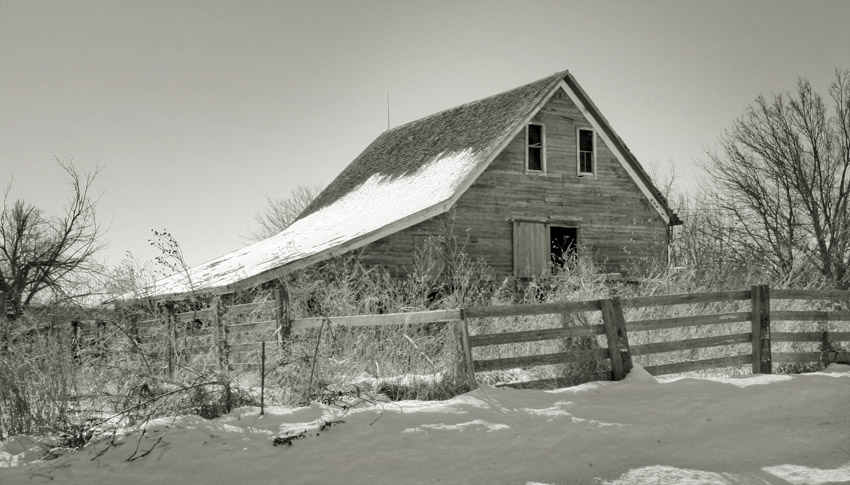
point(616, 223)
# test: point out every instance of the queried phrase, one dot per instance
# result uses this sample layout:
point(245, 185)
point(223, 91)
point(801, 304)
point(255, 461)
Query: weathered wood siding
point(616, 224)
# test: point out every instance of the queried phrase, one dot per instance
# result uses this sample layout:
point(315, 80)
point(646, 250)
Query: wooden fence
point(617, 355)
point(223, 336)
point(230, 337)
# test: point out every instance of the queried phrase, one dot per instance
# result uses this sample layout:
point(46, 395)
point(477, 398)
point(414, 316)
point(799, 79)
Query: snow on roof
point(408, 174)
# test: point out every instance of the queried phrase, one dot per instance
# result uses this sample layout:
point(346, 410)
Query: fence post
point(133, 331)
point(263, 379)
point(167, 318)
point(618, 340)
point(284, 321)
point(219, 333)
point(75, 341)
point(760, 297)
point(469, 365)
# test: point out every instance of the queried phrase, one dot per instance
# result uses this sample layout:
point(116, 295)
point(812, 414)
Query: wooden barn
point(527, 177)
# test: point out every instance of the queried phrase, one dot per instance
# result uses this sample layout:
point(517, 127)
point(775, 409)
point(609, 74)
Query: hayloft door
point(531, 249)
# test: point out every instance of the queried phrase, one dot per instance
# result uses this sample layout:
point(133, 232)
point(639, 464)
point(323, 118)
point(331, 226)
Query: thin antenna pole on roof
point(388, 110)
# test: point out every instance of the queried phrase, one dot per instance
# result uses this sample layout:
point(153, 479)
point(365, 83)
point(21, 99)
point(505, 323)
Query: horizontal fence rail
point(696, 365)
point(530, 310)
point(691, 321)
point(542, 359)
point(415, 318)
point(817, 316)
point(686, 299)
point(689, 344)
point(840, 295)
point(535, 335)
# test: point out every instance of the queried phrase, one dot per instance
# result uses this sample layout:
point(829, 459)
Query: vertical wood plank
point(220, 333)
point(284, 320)
point(75, 340)
point(530, 249)
point(469, 364)
point(760, 299)
point(167, 317)
point(215, 304)
point(622, 336)
point(263, 379)
point(618, 342)
point(127, 313)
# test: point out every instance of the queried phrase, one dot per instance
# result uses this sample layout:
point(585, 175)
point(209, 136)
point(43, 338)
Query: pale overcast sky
point(199, 110)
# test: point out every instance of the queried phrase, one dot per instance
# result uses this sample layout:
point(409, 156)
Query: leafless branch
point(40, 251)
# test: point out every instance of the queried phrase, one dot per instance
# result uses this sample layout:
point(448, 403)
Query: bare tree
point(280, 213)
point(664, 180)
point(782, 174)
point(40, 251)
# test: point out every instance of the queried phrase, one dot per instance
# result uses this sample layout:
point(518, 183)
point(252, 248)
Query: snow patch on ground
point(665, 475)
point(642, 430)
point(639, 375)
point(804, 475)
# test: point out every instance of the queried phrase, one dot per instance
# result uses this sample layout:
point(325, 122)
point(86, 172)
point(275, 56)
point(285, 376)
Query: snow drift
point(756, 429)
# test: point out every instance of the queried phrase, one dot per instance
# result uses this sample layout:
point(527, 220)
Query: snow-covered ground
point(758, 429)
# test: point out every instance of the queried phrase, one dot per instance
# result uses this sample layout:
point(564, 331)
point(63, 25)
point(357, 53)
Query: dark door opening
point(563, 245)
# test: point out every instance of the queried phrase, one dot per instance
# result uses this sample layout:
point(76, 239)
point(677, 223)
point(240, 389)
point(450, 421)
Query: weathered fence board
point(834, 356)
point(797, 357)
point(245, 347)
point(810, 294)
point(810, 336)
point(817, 316)
point(261, 324)
point(685, 299)
point(558, 382)
point(695, 365)
point(194, 331)
point(676, 322)
point(761, 329)
point(417, 318)
point(543, 359)
point(535, 335)
point(248, 308)
point(618, 342)
point(204, 315)
point(689, 344)
point(466, 348)
point(530, 310)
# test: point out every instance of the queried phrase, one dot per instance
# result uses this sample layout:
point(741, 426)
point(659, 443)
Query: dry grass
point(47, 387)
point(43, 386)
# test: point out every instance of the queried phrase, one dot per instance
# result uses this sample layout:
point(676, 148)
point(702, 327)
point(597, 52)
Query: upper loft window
point(586, 152)
point(535, 148)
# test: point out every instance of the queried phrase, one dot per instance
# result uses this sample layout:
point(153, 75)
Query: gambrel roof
point(408, 174)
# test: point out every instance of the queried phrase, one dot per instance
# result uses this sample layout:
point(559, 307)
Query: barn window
point(563, 245)
point(535, 148)
point(539, 246)
point(586, 152)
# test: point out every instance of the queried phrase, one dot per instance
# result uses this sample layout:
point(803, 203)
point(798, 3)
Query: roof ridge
point(551, 77)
